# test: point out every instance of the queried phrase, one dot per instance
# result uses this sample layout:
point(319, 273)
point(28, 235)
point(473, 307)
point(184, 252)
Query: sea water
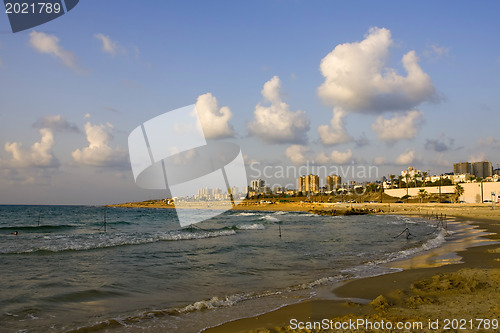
point(82, 268)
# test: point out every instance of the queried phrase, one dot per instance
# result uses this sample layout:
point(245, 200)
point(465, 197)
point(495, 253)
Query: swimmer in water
point(15, 233)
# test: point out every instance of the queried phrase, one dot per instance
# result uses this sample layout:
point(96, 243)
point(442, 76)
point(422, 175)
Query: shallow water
point(62, 272)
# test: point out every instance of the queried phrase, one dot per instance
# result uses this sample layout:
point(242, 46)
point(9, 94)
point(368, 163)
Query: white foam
point(245, 214)
point(428, 245)
point(255, 226)
point(269, 218)
point(58, 243)
point(214, 302)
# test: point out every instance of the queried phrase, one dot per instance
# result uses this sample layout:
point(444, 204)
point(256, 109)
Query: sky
point(351, 84)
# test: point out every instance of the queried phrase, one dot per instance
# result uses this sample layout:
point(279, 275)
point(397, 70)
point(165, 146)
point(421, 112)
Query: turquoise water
point(63, 272)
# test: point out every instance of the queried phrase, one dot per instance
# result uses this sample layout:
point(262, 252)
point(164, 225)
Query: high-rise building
point(309, 184)
point(332, 182)
point(462, 168)
point(257, 185)
point(482, 169)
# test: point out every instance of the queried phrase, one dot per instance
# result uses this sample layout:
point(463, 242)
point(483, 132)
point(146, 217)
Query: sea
point(98, 269)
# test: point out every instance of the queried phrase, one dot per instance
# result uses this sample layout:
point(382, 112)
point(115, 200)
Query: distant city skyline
point(351, 86)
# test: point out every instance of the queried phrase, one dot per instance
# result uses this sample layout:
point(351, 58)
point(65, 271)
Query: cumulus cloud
point(339, 157)
point(49, 44)
point(214, 120)
point(39, 155)
point(380, 160)
point(276, 123)
point(57, 123)
point(406, 158)
point(335, 157)
point(99, 153)
point(108, 45)
point(298, 154)
point(357, 78)
point(335, 133)
point(404, 126)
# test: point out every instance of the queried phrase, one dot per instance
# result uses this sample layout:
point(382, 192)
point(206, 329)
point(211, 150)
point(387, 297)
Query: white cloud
point(339, 157)
point(57, 122)
point(298, 154)
point(276, 123)
point(86, 116)
point(406, 158)
point(39, 155)
point(214, 120)
point(322, 158)
point(357, 79)
point(99, 153)
point(49, 44)
point(335, 133)
point(108, 45)
point(335, 157)
point(399, 127)
point(380, 160)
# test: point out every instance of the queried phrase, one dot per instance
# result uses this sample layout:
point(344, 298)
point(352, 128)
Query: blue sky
point(59, 79)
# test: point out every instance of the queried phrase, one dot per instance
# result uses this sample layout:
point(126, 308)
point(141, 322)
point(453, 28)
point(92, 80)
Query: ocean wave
point(403, 254)
point(294, 213)
point(84, 242)
point(245, 214)
point(255, 226)
point(269, 218)
point(231, 300)
point(41, 228)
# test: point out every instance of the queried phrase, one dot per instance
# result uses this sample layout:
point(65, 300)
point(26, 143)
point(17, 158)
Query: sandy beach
point(439, 295)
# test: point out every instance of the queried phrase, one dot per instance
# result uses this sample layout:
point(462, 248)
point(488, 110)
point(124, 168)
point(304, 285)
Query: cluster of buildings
point(209, 194)
point(463, 172)
point(307, 185)
point(482, 170)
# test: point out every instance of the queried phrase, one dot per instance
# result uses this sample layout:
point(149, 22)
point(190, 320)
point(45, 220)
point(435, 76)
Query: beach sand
point(467, 291)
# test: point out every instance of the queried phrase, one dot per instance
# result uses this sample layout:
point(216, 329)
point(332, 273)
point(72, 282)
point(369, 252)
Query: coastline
point(395, 296)
point(413, 294)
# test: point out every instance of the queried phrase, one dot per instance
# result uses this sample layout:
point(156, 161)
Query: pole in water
point(279, 227)
point(105, 210)
point(39, 214)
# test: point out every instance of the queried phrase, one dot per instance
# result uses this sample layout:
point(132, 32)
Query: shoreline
point(393, 296)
